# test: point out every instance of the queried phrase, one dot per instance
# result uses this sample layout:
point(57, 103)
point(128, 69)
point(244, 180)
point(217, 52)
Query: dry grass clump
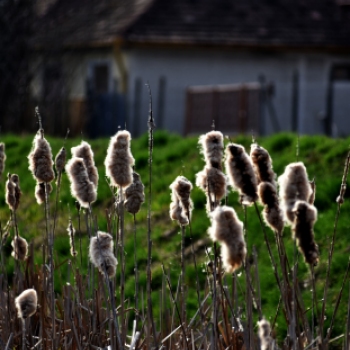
point(119, 160)
point(228, 230)
point(20, 248)
point(134, 194)
point(26, 303)
point(101, 253)
point(40, 159)
point(82, 188)
point(241, 174)
point(2, 158)
point(85, 152)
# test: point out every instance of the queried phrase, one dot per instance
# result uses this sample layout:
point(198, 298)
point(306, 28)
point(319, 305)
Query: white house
point(252, 66)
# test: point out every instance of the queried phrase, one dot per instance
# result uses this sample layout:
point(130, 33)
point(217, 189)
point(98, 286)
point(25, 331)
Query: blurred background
point(253, 66)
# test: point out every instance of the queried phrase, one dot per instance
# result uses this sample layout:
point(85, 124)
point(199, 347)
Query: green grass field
point(175, 155)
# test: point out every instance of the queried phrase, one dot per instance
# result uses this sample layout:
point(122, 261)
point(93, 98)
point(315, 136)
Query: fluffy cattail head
point(81, 186)
point(20, 248)
point(272, 213)
point(101, 253)
point(71, 233)
point(266, 341)
point(228, 230)
point(305, 217)
point(262, 164)
point(241, 174)
point(60, 160)
point(26, 303)
point(2, 158)
point(294, 185)
point(134, 195)
point(40, 159)
point(11, 193)
point(119, 160)
point(214, 184)
point(177, 213)
point(18, 192)
point(40, 192)
point(313, 194)
point(212, 147)
point(182, 187)
point(84, 151)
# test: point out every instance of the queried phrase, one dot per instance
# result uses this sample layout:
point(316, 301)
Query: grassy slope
point(174, 155)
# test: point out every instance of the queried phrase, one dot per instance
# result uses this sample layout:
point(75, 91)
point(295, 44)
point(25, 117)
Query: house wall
point(76, 70)
point(186, 67)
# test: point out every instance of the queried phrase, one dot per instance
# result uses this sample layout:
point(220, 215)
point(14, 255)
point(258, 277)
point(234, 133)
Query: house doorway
point(105, 106)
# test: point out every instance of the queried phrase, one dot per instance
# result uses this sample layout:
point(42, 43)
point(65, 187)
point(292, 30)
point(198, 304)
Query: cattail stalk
point(340, 201)
point(41, 166)
point(60, 162)
point(150, 323)
point(106, 266)
point(2, 158)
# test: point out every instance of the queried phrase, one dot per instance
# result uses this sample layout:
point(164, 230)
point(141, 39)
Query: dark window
point(341, 72)
point(101, 78)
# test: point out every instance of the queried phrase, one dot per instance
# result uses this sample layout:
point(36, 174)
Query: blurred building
point(252, 66)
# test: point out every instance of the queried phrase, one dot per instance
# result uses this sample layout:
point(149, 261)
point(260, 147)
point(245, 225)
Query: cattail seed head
point(20, 248)
point(182, 187)
point(2, 158)
point(84, 151)
point(293, 185)
point(18, 192)
point(262, 164)
point(313, 194)
point(266, 341)
point(212, 147)
point(101, 253)
point(40, 159)
point(213, 182)
point(134, 195)
point(177, 213)
point(71, 233)
point(60, 160)
point(26, 303)
point(81, 186)
point(11, 193)
point(40, 192)
point(177, 210)
point(305, 217)
point(228, 230)
point(272, 213)
point(240, 173)
point(119, 160)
